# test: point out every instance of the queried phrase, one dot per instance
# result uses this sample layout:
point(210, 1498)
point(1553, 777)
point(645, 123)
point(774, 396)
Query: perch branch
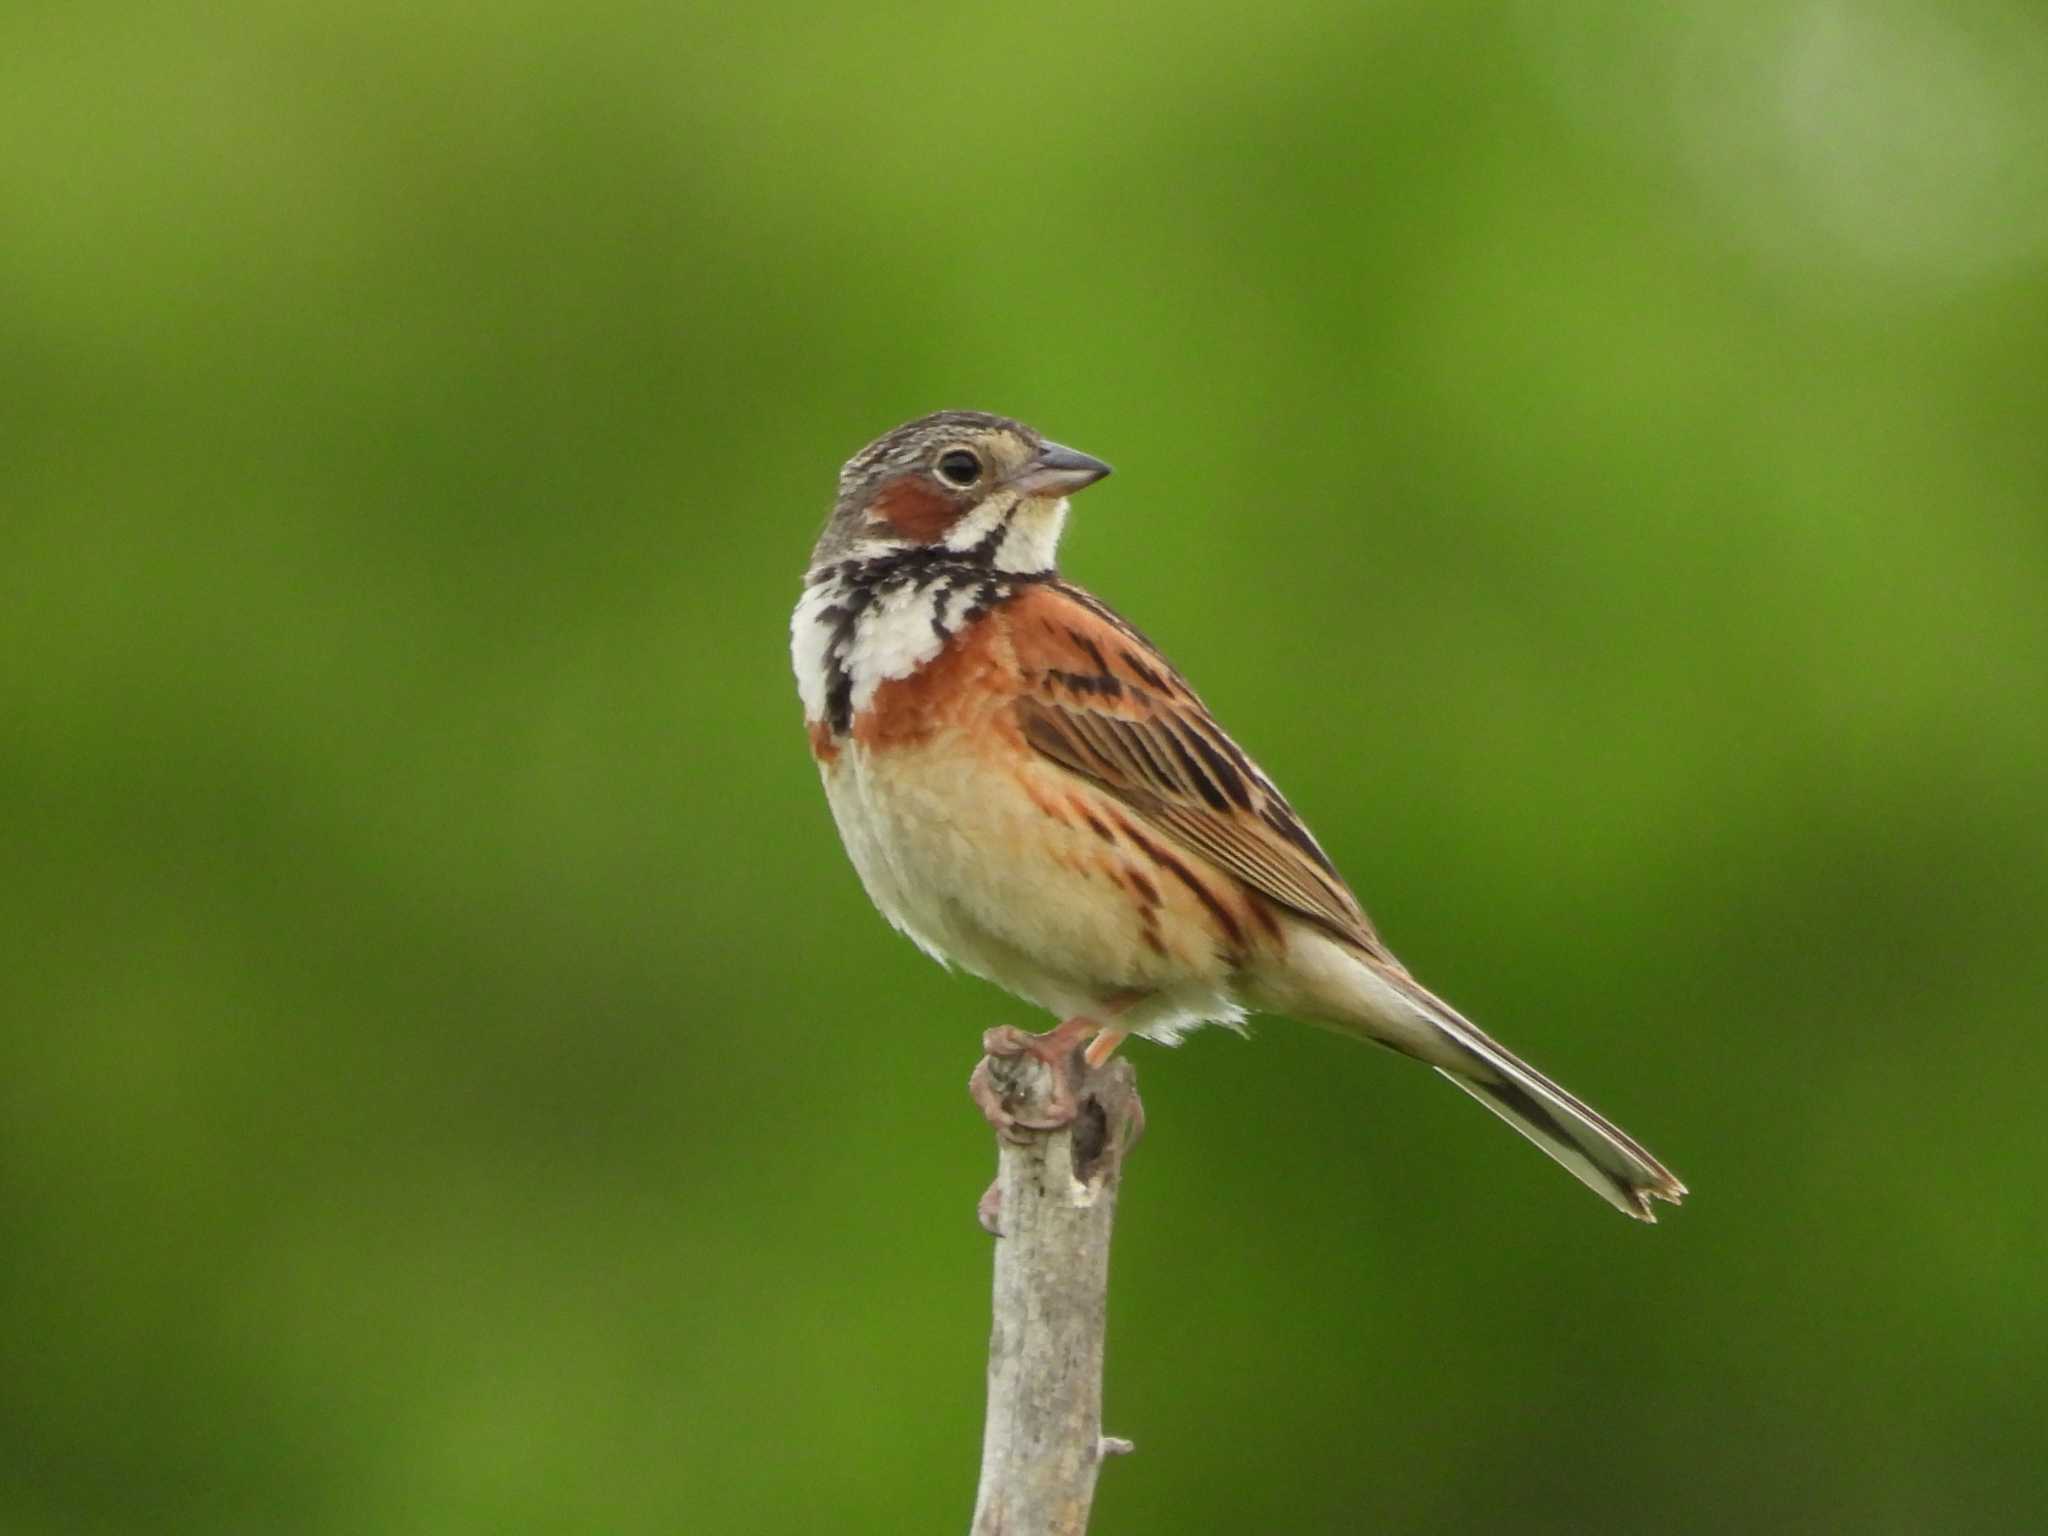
point(1052, 1208)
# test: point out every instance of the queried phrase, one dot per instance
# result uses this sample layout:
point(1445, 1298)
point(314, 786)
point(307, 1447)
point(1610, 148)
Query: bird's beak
point(1054, 471)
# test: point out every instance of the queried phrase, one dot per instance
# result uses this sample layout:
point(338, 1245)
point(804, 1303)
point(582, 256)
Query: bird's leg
point(1057, 1048)
point(1104, 1045)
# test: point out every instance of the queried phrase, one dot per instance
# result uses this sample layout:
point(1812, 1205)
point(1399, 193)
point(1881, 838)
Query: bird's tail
point(1597, 1152)
point(1606, 1159)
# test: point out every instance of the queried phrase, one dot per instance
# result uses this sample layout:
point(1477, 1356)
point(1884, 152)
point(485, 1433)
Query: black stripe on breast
point(956, 577)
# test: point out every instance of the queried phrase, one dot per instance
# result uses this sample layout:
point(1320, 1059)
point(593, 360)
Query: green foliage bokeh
point(452, 1081)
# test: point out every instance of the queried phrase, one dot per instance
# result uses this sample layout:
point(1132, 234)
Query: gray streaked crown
point(911, 447)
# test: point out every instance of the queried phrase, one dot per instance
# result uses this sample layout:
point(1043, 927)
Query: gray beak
point(1055, 471)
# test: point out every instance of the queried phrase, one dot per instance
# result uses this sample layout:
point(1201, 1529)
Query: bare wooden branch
point(1053, 1206)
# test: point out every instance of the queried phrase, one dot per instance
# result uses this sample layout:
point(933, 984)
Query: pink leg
point(1104, 1045)
point(1057, 1048)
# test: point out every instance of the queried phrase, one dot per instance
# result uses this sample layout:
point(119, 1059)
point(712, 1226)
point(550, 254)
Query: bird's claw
point(1057, 1050)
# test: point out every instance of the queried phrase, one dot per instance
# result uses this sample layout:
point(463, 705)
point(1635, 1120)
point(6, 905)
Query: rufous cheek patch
point(916, 509)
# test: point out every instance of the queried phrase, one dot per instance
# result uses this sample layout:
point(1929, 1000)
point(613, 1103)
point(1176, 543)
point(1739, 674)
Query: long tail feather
point(1596, 1151)
point(1602, 1156)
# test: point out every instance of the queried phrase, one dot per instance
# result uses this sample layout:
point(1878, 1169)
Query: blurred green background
point(1593, 454)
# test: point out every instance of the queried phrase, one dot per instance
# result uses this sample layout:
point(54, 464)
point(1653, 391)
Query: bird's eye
point(959, 467)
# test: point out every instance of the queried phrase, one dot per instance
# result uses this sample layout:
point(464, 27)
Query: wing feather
point(1102, 703)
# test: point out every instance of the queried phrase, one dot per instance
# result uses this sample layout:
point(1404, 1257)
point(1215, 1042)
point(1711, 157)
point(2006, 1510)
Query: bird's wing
point(1099, 700)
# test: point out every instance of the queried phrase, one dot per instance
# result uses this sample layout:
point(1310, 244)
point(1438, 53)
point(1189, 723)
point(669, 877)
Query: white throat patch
point(889, 609)
point(1033, 539)
point(844, 642)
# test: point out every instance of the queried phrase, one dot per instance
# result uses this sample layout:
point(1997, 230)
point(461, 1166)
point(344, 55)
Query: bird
point(1030, 791)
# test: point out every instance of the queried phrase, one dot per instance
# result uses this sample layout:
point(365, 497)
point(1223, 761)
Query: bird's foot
point(1058, 1050)
point(1023, 1105)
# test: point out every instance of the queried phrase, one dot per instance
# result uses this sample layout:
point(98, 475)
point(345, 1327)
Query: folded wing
point(1101, 702)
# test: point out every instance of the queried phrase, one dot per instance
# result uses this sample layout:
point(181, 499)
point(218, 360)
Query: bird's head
point(965, 484)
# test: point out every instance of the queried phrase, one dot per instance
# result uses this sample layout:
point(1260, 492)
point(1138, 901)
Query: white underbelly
point(922, 844)
point(980, 878)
